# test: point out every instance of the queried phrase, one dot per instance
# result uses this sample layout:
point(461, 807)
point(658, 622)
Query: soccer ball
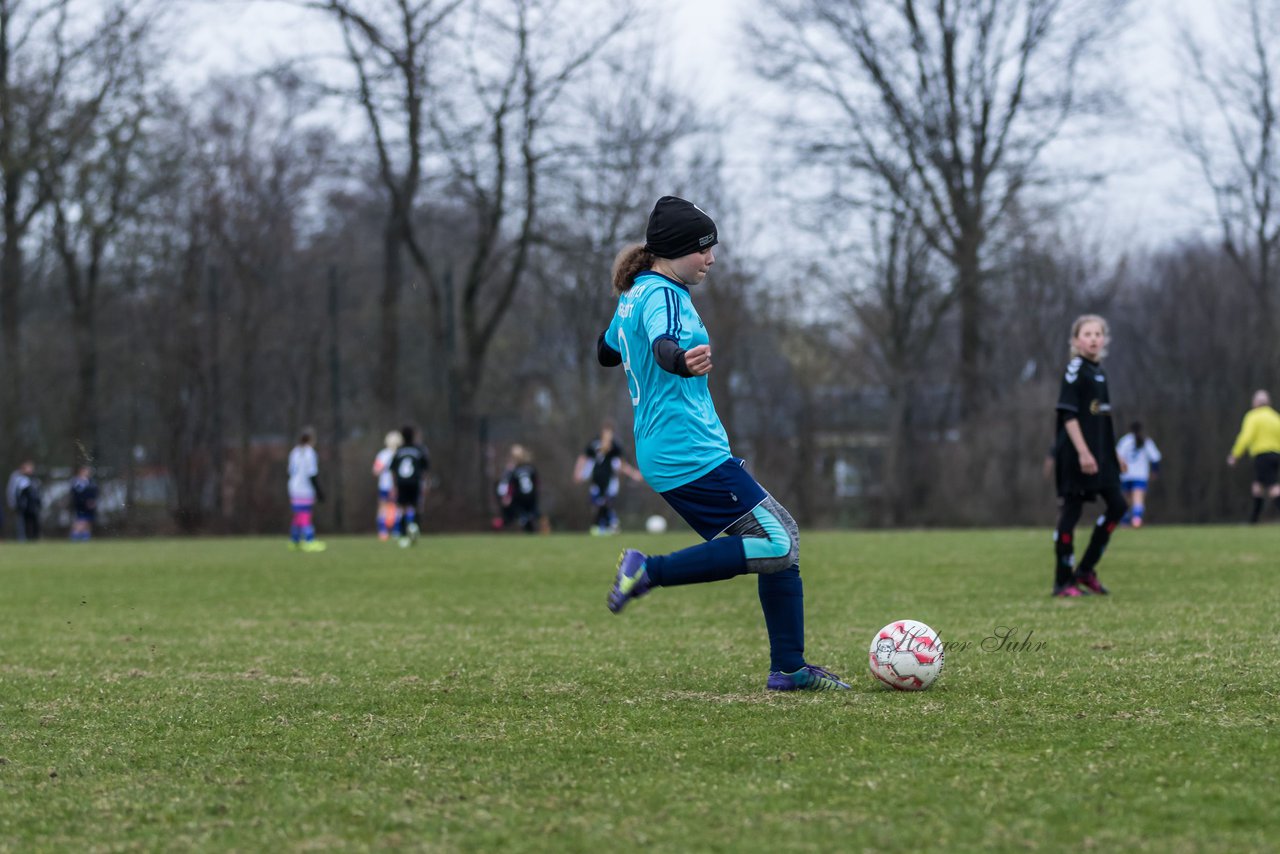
point(906, 655)
point(655, 524)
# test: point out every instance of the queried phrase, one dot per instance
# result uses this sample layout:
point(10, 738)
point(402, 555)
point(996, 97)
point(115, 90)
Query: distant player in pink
point(386, 485)
point(304, 491)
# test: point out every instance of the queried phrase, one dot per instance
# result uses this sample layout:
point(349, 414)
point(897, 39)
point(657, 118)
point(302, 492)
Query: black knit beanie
point(678, 228)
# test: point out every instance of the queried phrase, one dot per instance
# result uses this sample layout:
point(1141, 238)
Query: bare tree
point(52, 87)
point(476, 113)
point(503, 129)
point(947, 106)
point(95, 185)
point(900, 309)
point(258, 169)
point(1237, 82)
point(392, 48)
point(1180, 363)
point(173, 320)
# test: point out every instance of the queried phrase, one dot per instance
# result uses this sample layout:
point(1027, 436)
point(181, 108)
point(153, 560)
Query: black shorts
point(1071, 505)
point(1266, 469)
point(407, 494)
point(527, 505)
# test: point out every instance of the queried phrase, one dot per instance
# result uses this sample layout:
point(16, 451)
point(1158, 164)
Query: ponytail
point(1139, 439)
point(631, 262)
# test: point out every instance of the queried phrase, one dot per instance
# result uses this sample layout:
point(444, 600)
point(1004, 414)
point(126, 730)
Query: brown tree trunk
point(386, 380)
point(10, 325)
point(84, 403)
point(969, 297)
point(896, 474)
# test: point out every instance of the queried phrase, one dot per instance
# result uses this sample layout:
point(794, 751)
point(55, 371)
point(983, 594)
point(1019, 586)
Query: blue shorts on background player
point(84, 505)
point(682, 448)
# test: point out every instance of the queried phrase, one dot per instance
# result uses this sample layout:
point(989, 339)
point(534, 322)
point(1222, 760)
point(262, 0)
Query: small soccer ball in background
point(655, 524)
point(906, 655)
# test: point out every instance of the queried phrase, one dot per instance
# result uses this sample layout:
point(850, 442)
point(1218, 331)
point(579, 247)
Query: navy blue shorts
point(716, 500)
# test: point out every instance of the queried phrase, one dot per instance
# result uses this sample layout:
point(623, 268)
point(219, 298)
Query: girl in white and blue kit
point(1142, 458)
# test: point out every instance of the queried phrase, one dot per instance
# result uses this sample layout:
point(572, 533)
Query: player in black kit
point(1085, 460)
point(522, 490)
point(600, 464)
point(409, 467)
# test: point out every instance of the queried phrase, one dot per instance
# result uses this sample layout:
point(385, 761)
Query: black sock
point(1064, 563)
point(1097, 547)
point(1257, 510)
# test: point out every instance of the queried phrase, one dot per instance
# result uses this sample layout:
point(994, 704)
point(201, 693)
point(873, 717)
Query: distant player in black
point(1086, 464)
point(23, 492)
point(599, 465)
point(84, 505)
point(522, 490)
point(409, 467)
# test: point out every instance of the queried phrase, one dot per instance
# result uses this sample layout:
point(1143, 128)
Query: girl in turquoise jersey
point(683, 451)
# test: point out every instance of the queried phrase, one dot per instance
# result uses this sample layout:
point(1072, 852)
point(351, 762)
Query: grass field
point(474, 694)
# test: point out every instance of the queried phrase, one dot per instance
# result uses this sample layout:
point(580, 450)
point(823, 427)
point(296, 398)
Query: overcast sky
point(1153, 193)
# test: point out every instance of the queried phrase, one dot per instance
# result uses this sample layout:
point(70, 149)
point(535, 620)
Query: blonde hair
point(394, 440)
point(633, 260)
point(1079, 324)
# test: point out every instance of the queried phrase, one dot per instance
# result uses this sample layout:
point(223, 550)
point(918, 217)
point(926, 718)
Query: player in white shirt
point(304, 491)
point(1142, 458)
point(386, 485)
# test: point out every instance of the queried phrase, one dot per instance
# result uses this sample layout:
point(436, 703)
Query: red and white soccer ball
point(906, 655)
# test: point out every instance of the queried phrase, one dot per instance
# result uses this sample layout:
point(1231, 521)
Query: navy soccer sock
point(714, 560)
point(782, 600)
point(407, 518)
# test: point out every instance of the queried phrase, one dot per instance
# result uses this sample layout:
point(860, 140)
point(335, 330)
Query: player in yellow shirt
point(1260, 438)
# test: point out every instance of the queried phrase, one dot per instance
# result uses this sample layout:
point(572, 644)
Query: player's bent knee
point(770, 538)
point(768, 567)
point(768, 554)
